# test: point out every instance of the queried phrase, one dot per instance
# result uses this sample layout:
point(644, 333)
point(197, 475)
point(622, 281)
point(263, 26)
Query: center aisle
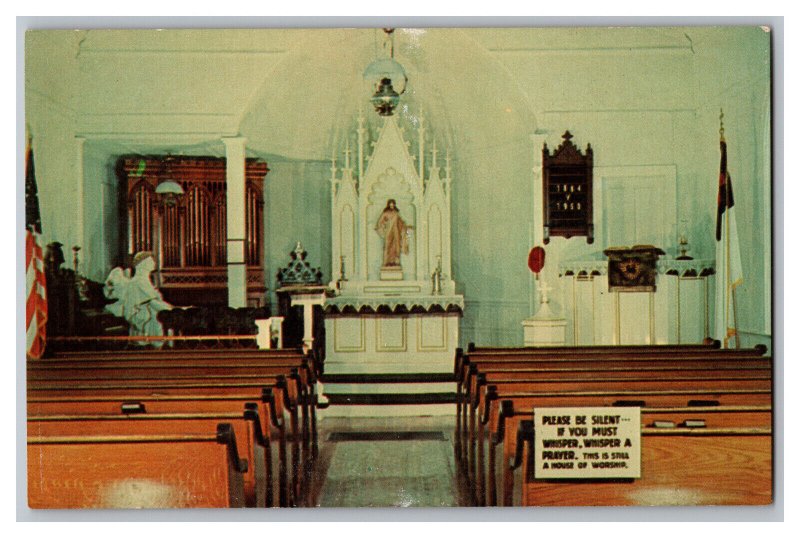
point(387, 462)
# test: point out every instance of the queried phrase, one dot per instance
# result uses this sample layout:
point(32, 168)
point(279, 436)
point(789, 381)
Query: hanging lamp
point(383, 73)
point(169, 189)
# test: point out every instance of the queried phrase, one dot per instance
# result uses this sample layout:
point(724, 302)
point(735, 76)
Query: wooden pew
point(664, 393)
point(604, 369)
point(484, 354)
point(198, 373)
point(541, 377)
point(286, 397)
point(469, 389)
point(292, 394)
point(709, 344)
point(200, 380)
point(200, 357)
point(575, 358)
point(680, 466)
point(504, 431)
point(269, 409)
point(208, 362)
point(230, 354)
point(596, 360)
point(168, 352)
point(620, 370)
point(252, 442)
point(165, 471)
point(619, 394)
point(598, 376)
point(166, 373)
point(473, 349)
point(220, 369)
point(171, 368)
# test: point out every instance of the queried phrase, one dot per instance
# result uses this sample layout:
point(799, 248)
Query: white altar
point(395, 307)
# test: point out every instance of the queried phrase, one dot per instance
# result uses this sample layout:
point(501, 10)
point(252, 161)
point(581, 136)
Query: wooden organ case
point(188, 233)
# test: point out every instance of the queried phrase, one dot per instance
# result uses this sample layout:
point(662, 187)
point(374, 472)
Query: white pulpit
point(677, 312)
point(391, 314)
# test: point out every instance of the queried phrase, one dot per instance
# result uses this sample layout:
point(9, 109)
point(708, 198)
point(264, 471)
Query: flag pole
point(728, 283)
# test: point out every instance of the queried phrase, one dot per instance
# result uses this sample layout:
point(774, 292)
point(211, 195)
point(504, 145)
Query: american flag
point(36, 303)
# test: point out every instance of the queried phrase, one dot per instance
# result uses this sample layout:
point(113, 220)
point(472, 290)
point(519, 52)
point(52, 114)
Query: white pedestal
point(544, 332)
point(391, 273)
point(265, 331)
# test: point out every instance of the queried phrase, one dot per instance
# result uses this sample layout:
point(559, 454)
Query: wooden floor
point(387, 462)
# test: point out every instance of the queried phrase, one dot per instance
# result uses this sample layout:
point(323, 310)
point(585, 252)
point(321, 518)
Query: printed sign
point(587, 442)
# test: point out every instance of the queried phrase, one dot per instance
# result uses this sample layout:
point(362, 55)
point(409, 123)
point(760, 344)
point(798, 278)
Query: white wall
point(646, 99)
point(297, 208)
point(51, 83)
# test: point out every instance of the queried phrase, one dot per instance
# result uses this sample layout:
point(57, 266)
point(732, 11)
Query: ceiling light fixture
point(381, 73)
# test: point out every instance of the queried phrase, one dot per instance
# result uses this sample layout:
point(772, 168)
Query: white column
point(360, 132)
point(536, 236)
point(421, 131)
point(80, 214)
point(235, 178)
point(447, 250)
point(336, 247)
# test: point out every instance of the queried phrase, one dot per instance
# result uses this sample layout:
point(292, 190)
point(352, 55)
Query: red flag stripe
point(36, 301)
point(29, 243)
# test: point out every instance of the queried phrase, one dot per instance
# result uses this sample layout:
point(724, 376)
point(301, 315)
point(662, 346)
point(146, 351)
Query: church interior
point(400, 267)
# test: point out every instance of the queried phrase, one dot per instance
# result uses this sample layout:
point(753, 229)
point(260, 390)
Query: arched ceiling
point(310, 100)
point(293, 93)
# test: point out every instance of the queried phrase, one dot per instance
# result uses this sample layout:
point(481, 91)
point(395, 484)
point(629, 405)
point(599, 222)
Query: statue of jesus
point(394, 231)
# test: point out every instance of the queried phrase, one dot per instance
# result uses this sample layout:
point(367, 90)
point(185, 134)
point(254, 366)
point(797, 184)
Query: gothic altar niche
point(391, 251)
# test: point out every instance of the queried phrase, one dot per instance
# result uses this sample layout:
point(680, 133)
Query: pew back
point(720, 466)
point(170, 471)
point(252, 442)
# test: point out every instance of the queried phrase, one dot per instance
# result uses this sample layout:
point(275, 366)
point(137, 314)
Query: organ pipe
point(190, 232)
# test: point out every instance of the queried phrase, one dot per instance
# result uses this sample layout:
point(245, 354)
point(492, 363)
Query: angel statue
point(137, 300)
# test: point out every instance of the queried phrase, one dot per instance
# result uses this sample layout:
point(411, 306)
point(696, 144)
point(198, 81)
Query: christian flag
point(729, 261)
point(36, 304)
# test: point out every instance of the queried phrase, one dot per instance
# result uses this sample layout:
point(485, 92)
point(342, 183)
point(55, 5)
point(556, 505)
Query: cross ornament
point(543, 289)
point(347, 153)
